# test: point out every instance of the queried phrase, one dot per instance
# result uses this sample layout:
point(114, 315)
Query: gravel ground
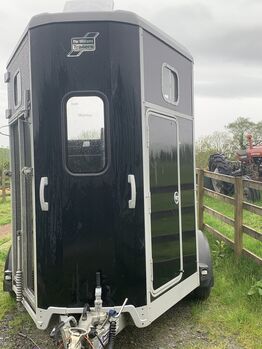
point(175, 329)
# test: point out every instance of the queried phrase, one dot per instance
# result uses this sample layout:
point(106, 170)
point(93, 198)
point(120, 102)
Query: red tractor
point(248, 165)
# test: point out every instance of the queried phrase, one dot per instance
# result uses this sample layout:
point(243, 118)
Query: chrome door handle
point(176, 198)
point(43, 184)
point(132, 182)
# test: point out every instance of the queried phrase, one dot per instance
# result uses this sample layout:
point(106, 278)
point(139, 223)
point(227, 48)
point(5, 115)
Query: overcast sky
point(225, 38)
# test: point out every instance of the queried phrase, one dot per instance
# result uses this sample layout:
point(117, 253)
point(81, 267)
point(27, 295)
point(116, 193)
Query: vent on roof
point(89, 5)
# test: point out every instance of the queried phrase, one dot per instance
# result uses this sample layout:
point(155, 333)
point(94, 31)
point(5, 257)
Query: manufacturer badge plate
point(86, 43)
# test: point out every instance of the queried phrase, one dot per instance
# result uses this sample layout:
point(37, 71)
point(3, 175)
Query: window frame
point(175, 72)
point(64, 137)
point(19, 89)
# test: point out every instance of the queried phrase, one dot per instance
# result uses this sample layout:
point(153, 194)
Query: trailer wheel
point(208, 183)
point(7, 284)
point(258, 195)
point(218, 163)
point(205, 268)
point(251, 194)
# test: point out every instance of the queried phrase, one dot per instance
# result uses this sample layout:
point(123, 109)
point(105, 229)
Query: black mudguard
point(205, 267)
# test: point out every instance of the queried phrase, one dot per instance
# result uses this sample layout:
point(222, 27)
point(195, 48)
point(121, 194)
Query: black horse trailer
point(103, 180)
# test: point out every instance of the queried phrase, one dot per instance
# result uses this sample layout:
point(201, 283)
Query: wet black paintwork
point(187, 196)
point(89, 226)
point(164, 212)
point(187, 210)
point(157, 53)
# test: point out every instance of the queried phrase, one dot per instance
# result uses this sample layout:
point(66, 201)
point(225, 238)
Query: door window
point(85, 143)
point(170, 85)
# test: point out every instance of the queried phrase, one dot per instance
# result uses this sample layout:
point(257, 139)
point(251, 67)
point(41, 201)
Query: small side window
point(170, 84)
point(17, 90)
point(85, 123)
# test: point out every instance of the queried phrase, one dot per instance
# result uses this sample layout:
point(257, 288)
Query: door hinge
point(7, 77)
point(27, 103)
point(8, 113)
point(27, 171)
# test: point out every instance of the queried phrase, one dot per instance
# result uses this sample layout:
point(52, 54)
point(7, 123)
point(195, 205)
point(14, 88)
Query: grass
point(250, 219)
point(5, 211)
point(6, 302)
point(230, 311)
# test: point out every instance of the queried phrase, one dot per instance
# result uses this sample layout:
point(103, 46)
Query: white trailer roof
point(111, 16)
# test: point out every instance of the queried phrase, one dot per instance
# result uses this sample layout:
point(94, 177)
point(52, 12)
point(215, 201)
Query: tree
point(257, 133)
point(239, 129)
point(228, 143)
point(217, 142)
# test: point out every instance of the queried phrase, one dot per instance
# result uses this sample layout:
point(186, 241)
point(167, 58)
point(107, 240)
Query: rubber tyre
point(251, 194)
point(208, 183)
point(257, 195)
point(218, 162)
point(8, 265)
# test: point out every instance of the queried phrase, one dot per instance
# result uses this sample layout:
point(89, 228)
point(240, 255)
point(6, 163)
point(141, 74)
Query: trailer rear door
point(164, 177)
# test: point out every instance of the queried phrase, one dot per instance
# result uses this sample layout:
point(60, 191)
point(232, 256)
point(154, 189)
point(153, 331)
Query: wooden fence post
point(200, 199)
point(3, 187)
point(238, 216)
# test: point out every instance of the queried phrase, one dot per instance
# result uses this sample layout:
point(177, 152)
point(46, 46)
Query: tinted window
point(85, 134)
point(170, 85)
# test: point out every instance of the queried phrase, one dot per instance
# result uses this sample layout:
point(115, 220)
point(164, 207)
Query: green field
point(250, 219)
point(5, 214)
point(230, 311)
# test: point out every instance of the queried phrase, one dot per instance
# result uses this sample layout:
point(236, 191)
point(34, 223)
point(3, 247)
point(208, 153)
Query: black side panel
point(156, 54)
point(187, 196)
point(89, 226)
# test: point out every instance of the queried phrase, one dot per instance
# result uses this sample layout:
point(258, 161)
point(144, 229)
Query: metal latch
point(176, 198)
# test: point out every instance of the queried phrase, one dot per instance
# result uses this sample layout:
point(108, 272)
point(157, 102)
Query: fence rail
point(239, 205)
